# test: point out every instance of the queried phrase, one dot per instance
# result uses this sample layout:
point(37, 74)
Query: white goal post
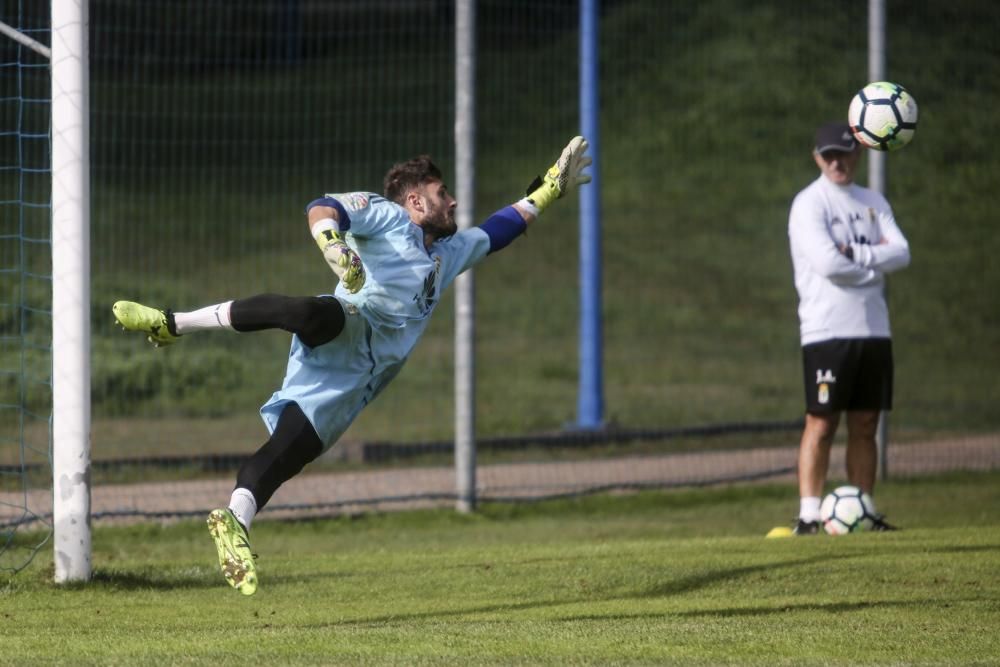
point(876, 181)
point(465, 190)
point(70, 292)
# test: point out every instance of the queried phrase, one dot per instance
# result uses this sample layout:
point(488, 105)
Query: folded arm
point(891, 253)
point(811, 238)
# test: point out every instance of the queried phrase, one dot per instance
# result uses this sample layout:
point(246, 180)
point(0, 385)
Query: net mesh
point(214, 123)
point(25, 291)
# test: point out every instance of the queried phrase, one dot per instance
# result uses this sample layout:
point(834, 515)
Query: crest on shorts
point(823, 381)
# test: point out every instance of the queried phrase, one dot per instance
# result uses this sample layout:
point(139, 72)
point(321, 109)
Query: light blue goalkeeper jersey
point(332, 383)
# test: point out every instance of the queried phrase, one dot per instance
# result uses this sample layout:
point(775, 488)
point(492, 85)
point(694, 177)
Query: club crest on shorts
point(823, 382)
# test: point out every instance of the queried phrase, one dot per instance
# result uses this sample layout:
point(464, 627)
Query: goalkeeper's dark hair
point(405, 176)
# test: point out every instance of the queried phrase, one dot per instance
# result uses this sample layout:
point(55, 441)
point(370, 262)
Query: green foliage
point(708, 111)
point(197, 382)
point(658, 577)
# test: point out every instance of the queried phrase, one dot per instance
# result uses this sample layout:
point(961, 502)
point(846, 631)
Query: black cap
point(835, 137)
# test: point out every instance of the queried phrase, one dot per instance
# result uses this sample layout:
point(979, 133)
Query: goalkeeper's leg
point(158, 325)
point(293, 444)
point(232, 544)
point(315, 320)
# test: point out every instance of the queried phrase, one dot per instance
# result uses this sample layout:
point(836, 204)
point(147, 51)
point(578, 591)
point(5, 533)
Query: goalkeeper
point(394, 255)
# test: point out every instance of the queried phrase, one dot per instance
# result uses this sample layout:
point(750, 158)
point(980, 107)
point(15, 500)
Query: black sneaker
point(806, 527)
point(880, 524)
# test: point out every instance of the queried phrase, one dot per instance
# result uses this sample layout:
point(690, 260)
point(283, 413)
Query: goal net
point(213, 124)
point(25, 286)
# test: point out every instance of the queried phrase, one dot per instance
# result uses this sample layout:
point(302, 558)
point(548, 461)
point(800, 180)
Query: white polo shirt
point(841, 297)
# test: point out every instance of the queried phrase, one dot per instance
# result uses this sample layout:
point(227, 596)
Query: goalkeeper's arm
point(559, 180)
point(508, 223)
point(328, 222)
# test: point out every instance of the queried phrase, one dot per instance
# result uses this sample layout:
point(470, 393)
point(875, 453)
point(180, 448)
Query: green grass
point(658, 577)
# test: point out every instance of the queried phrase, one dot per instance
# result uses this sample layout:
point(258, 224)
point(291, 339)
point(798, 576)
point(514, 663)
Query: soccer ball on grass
point(883, 116)
point(847, 509)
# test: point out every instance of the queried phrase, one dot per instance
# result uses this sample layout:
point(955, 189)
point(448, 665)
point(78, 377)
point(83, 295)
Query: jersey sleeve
point(460, 252)
point(503, 227)
point(370, 214)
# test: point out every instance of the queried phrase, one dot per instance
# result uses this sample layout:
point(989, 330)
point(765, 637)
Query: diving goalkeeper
point(394, 255)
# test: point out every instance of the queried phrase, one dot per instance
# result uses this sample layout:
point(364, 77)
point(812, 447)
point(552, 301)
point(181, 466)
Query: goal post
point(465, 295)
point(590, 388)
point(70, 292)
point(877, 182)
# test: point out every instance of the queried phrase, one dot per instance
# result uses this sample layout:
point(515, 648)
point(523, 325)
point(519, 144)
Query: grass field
point(708, 109)
point(660, 577)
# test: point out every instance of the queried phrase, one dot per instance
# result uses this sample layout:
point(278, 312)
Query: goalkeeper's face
point(436, 209)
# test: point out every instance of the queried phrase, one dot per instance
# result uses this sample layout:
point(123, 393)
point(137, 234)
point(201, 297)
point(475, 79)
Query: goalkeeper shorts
point(332, 382)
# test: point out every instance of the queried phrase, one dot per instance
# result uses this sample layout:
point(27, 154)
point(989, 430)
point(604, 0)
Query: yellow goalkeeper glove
point(342, 259)
point(561, 177)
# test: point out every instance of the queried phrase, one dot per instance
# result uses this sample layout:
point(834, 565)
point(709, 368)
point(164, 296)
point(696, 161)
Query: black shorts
point(848, 374)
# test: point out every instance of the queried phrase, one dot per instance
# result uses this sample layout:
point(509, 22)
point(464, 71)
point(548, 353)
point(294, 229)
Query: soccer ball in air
point(846, 510)
point(883, 116)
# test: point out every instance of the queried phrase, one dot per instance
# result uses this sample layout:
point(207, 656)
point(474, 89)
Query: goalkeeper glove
point(561, 177)
point(342, 259)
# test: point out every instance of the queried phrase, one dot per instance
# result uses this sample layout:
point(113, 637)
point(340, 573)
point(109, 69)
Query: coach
point(844, 240)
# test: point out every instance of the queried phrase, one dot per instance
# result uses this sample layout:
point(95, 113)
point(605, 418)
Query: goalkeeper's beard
point(441, 223)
